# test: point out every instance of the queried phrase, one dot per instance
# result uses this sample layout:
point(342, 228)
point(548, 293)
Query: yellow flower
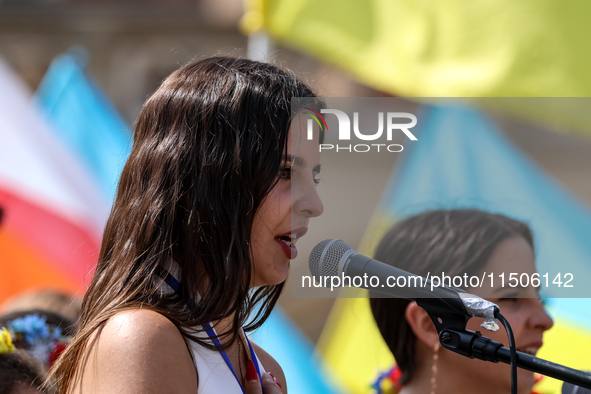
point(5, 341)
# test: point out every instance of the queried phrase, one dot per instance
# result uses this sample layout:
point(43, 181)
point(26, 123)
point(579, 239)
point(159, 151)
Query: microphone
point(569, 388)
point(334, 258)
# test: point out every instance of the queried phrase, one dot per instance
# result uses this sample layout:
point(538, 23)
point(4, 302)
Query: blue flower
point(32, 327)
point(41, 337)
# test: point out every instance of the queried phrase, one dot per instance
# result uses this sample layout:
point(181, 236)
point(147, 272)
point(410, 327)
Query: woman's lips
point(531, 348)
point(287, 241)
point(290, 250)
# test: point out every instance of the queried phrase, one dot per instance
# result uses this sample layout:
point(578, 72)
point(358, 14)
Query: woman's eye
point(286, 173)
point(508, 299)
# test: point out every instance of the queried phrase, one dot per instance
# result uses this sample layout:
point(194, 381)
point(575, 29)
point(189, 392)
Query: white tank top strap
point(215, 376)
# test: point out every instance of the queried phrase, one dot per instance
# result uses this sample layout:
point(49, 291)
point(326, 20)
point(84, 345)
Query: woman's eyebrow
point(301, 162)
point(294, 160)
point(507, 291)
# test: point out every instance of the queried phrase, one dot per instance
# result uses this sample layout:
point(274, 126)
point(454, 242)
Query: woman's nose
point(306, 200)
point(540, 318)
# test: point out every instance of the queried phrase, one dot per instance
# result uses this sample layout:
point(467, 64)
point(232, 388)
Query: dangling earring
point(434, 368)
point(190, 214)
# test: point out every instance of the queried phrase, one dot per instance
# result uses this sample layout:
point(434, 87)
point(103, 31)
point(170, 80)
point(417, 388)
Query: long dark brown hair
point(451, 241)
point(208, 148)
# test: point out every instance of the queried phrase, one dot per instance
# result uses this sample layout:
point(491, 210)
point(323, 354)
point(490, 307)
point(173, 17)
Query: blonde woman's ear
point(421, 325)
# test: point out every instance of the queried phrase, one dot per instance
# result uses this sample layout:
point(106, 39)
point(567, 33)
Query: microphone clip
point(449, 317)
point(470, 344)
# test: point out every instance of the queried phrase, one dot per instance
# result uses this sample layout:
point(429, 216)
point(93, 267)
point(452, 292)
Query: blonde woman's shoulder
point(137, 351)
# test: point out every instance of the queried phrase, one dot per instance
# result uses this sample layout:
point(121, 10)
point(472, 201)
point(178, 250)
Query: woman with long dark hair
point(198, 244)
point(458, 242)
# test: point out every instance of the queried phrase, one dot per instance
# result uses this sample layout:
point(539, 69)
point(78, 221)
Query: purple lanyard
point(174, 284)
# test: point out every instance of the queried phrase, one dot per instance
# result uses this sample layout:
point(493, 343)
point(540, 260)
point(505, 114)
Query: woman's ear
point(421, 324)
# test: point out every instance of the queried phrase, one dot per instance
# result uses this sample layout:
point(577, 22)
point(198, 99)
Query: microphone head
point(569, 388)
point(325, 257)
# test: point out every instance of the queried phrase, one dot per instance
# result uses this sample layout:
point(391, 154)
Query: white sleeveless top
point(214, 374)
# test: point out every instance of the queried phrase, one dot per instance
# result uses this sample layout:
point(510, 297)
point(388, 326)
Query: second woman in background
point(459, 242)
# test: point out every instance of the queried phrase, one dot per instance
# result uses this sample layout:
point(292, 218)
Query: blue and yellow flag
point(85, 119)
point(451, 48)
point(441, 48)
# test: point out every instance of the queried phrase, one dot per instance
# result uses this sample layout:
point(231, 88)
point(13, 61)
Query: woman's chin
point(276, 277)
point(525, 381)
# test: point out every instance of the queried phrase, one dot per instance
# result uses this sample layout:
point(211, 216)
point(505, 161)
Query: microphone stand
point(451, 327)
point(474, 345)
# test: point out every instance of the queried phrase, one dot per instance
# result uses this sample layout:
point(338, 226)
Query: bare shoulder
point(271, 365)
point(138, 351)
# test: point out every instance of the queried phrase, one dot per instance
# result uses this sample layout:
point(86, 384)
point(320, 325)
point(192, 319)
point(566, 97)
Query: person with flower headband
point(41, 333)
point(457, 242)
point(199, 241)
point(20, 373)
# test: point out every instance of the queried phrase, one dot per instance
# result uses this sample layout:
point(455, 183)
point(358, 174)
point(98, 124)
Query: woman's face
point(283, 217)
point(523, 310)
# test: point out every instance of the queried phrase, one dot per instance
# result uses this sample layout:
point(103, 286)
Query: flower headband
point(42, 340)
point(6, 345)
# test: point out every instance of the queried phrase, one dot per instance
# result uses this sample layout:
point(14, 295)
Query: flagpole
point(260, 46)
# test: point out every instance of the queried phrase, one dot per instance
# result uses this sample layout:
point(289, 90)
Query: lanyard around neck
point(175, 285)
point(214, 338)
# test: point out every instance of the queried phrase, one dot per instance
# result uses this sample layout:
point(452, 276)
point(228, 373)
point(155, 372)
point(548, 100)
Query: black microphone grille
point(569, 388)
point(325, 257)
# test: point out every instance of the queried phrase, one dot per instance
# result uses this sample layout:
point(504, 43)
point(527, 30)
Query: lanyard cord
point(175, 285)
